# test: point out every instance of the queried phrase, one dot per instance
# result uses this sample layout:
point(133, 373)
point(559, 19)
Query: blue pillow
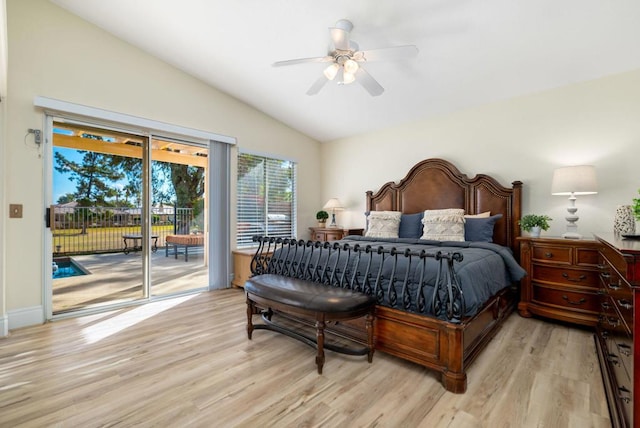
point(479, 229)
point(411, 226)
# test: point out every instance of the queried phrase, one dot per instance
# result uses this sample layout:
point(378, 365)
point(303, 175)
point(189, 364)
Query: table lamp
point(333, 204)
point(572, 181)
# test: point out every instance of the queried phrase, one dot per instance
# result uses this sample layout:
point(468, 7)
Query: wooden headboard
point(437, 184)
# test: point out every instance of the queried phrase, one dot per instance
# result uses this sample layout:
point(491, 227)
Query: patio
point(117, 277)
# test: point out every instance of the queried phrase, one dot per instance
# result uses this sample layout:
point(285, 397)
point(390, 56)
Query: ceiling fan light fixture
point(331, 71)
point(348, 77)
point(350, 66)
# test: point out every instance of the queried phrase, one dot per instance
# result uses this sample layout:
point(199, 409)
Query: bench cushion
point(193, 240)
point(307, 295)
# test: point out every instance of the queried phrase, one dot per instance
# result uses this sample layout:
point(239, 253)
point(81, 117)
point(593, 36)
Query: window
point(266, 198)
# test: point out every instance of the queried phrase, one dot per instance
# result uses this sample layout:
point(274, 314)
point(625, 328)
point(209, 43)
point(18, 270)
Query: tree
point(66, 198)
point(93, 177)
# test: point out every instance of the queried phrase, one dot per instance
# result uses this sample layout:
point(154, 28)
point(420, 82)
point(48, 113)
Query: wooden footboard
point(445, 347)
point(435, 344)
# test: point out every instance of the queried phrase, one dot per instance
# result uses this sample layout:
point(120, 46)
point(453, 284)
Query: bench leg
point(186, 253)
point(251, 309)
point(369, 328)
point(320, 341)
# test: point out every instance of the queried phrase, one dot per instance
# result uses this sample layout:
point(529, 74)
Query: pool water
point(66, 267)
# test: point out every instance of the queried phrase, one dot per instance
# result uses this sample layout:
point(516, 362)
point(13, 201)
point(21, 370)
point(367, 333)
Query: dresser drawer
point(551, 253)
point(610, 318)
point(565, 275)
point(567, 299)
point(587, 257)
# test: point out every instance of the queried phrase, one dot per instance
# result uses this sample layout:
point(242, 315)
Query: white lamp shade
point(333, 204)
point(577, 180)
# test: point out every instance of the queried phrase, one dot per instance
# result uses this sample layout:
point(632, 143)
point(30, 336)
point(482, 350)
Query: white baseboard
point(4, 326)
point(25, 317)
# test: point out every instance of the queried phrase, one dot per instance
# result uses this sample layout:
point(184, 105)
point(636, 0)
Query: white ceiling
point(471, 52)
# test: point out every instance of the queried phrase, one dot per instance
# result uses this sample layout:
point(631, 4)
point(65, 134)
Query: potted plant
point(533, 223)
point(636, 207)
point(322, 217)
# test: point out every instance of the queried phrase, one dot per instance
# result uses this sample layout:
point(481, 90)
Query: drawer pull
point(613, 359)
point(579, 302)
point(613, 286)
point(613, 322)
point(605, 305)
point(625, 304)
point(580, 278)
point(548, 254)
point(624, 349)
point(624, 395)
point(605, 275)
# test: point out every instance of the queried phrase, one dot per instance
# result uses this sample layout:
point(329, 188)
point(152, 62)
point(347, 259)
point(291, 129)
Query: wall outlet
point(15, 210)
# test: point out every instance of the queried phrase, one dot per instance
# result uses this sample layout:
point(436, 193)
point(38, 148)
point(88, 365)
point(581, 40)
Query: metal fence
point(88, 230)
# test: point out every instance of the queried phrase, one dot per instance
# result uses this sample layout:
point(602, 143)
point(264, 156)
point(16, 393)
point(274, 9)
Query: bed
point(446, 341)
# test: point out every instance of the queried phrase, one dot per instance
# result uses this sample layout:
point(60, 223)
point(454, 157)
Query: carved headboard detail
point(437, 184)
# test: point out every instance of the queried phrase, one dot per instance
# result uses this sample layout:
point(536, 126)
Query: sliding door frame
point(218, 184)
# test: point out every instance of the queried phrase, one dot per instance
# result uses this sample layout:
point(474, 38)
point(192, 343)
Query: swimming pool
point(66, 267)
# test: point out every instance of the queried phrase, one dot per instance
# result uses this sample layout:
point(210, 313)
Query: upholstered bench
point(322, 303)
point(185, 241)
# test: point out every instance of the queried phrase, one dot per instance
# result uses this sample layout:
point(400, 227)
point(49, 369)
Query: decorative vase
point(535, 231)
point(624, 222)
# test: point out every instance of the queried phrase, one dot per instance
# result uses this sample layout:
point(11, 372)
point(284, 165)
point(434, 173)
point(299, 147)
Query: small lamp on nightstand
point(572, 181)
point(333, 204)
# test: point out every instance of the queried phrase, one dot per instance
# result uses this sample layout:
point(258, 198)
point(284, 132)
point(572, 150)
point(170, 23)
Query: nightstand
point(242, 265)
point(562, 279)
point(332, 233)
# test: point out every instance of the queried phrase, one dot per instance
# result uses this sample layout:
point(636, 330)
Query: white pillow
point(443, 225)
point(383, 224)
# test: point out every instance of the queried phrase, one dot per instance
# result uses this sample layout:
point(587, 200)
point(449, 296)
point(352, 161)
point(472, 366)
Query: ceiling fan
point(345, 60)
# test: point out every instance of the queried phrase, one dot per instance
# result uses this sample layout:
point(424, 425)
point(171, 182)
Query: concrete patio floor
point(117, 277)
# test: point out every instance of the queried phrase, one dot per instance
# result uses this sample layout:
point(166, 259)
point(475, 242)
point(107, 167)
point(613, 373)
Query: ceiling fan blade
point(340, 38)
point(317, 85)
point(396, 52)
point(303, 61)
point(368, 82)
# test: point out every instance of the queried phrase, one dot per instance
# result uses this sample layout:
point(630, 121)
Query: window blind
point(266, 198)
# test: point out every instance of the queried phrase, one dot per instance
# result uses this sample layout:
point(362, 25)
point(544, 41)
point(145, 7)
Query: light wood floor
point(187, 362)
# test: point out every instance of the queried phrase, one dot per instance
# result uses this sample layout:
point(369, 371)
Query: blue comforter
point(486, 268)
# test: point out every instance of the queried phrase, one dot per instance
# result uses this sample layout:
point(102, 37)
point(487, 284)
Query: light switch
point(15, 210)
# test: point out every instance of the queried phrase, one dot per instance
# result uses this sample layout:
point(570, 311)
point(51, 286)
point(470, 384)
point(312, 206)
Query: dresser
point(331, 233)
point(562, 279)
point(618, 351)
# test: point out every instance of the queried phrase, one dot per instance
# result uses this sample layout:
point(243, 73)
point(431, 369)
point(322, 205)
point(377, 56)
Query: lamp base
point(333, 220)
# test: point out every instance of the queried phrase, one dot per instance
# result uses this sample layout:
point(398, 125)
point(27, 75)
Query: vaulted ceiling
point(470, 52)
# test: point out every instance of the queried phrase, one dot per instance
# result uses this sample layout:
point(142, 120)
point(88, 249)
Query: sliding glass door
point(128, 220)
point(179, 216)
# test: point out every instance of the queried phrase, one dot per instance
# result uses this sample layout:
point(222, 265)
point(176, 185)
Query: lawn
point(101, 239)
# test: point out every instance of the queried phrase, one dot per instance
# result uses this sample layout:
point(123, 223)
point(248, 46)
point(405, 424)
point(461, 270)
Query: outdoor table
point(135, 237)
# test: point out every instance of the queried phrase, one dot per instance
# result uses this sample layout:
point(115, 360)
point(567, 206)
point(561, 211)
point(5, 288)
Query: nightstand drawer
point(564, 298)
point(563, 275)
point(551, 253)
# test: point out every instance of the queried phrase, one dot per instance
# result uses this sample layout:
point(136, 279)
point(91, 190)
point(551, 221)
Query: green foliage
point(636, 207)
point(529, 221)
point(322, 216)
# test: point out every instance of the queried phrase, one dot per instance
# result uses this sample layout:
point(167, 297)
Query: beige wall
point(57, 55)
point(526, 138)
